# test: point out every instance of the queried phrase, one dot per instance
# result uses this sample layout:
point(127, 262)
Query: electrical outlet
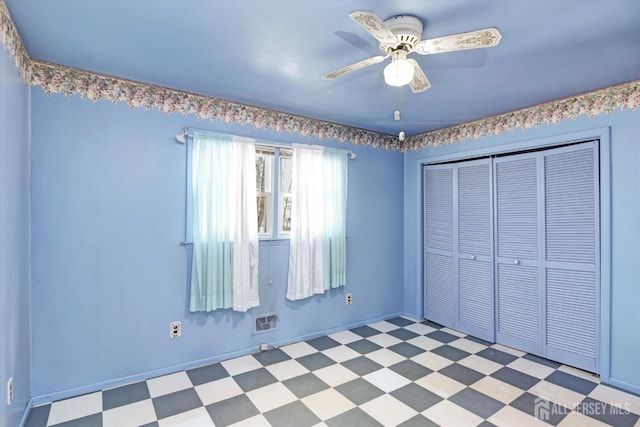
point(175, 329)
point(349, 298)
point(10, 391)
point(264, 347)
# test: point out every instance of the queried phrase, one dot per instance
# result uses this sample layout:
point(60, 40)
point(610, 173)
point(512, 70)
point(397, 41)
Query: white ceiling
point(272, 54)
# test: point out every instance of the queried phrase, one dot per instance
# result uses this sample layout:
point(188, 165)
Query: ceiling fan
point(400, 36)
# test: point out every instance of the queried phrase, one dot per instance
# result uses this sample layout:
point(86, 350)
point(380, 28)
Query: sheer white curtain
point(244, 225)
point(317, 257)
point(224, 270)
point(306, 270)
point(335, 163)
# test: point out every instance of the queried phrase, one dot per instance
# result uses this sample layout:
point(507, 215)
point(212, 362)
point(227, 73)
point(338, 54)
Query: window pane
point(286, 214)
point(262, 214)
point(286, 180)
point(264, 162)
point(286, 175)
point(264, 190)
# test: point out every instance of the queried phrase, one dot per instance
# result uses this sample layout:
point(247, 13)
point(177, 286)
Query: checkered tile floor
point(394, 372)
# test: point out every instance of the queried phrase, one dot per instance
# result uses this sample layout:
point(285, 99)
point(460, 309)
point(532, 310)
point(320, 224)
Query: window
point(273, 191)
point(238, 191)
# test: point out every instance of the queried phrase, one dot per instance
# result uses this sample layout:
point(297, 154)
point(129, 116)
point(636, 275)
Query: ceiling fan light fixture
point(399, 72)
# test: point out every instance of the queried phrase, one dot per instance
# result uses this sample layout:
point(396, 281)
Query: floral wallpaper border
point(70, 81)
point(12, 41)
point(623, 96)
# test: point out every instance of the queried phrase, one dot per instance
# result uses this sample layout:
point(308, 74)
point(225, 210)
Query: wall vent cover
point(266, 323)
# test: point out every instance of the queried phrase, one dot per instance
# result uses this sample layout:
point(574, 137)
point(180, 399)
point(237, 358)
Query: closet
point(511, 250)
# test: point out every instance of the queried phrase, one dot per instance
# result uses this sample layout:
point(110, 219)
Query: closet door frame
point(552, 139)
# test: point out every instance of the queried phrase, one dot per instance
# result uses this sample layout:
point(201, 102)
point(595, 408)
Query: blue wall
point(108, 273)
point(619, 329)
point(15, 339)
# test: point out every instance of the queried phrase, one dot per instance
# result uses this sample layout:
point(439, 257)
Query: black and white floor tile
point(391, 373)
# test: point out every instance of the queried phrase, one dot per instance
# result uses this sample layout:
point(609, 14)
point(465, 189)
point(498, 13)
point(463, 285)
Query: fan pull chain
point(398, 116)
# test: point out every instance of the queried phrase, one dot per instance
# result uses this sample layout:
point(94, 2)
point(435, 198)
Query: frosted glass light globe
point(400, 71)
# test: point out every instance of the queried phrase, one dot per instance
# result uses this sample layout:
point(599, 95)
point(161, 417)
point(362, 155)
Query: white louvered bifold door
point(571, 247)
point(473, 253)
point(517, 234)
point(438, 244)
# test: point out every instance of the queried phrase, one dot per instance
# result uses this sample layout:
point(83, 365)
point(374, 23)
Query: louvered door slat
point(438, 241)
point(474, 209)
point(519, 306)
point(571, 320)
point(475, 305)
point(518, 240)
point(438, 207)
point(517, 208)
point(439, 304)
point(569, 206)
point(571, 254)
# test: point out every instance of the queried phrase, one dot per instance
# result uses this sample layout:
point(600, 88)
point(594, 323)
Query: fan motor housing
point(408, 32)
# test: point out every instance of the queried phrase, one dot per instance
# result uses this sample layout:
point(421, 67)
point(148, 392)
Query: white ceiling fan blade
point(471, 40)
point(354, 67)
point(420, 82)
point(374, 26)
